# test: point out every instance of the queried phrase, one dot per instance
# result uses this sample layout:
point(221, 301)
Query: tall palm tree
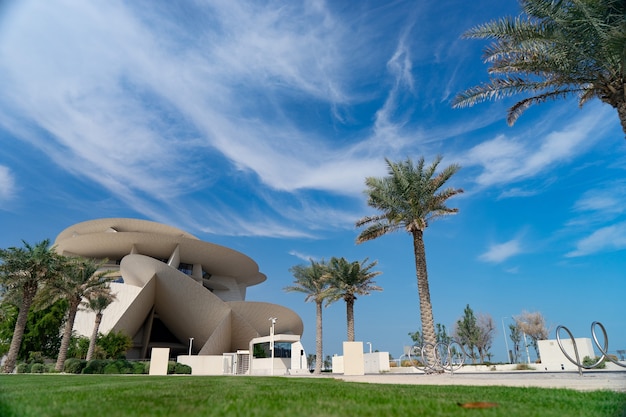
point(23, 272)
point(310, 280)
point(81, 279)
point(349, 279)
point(410, 198)
point(97, 303)
point(555, 49)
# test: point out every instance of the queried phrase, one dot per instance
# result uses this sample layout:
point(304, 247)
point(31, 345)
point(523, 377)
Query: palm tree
point(349, 279)
point(409, 198)
point(23, 272)
point(310, 280)
point(97, 303)
point(555, 49)
point(80, 279)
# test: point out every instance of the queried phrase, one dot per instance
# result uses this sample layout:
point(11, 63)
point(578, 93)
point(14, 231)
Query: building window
point(185, 268)
point(281, 350)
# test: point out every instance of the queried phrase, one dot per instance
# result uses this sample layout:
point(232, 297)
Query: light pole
point(273, 320)
point(190, 345)
point(505, 341)
point(369, 343)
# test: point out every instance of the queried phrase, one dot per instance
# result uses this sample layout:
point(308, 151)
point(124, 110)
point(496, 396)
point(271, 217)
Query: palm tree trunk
point(20, 328)
point(319, 355)
point(350, 317)
point(67, 334)
point(94, 336)
point(426, 309)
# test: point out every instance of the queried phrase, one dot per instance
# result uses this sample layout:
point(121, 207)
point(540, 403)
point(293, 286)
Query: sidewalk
point(590, 381)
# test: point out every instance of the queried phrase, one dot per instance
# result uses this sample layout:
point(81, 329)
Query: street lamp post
point(273, 320)
point(369, 343)
point(508, 355)
point(190, 345)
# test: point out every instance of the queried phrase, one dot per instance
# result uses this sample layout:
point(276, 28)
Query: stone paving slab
point(590, 381)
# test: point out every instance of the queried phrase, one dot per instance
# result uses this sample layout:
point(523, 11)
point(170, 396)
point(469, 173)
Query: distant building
point(172, 287)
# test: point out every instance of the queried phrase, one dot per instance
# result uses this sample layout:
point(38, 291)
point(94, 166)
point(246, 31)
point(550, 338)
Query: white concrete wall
point(376, 362)
point(207, 364)
point(552, 359)
point(353, 363)
point(158, 361)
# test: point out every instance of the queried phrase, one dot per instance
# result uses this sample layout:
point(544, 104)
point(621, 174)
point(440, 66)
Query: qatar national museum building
point(175, 291)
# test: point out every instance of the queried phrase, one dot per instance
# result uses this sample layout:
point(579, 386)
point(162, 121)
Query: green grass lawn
point(183, 396)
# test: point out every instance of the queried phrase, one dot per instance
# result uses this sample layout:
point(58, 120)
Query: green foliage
point(524, 367)
point(115, 344)
point(467, 332)
point(41, 333)
point(23, 368)
point(588, 361)
point(74, 366)
point(141, 367)
point(182, 369)
point(178, 368)
point(38, 368)
point(95, 366)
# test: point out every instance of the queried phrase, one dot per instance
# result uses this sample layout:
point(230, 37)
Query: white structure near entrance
point(355, 362)
point(552, 358)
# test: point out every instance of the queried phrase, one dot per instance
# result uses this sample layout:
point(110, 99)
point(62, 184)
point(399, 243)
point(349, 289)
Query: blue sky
point(254, 124)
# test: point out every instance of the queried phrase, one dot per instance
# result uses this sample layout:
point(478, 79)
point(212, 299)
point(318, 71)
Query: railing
point(440, 357)
point(602, 350)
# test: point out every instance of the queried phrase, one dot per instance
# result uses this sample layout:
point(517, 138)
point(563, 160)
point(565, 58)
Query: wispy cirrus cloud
point(606, 239)
point(500, 252)
point(503, 160)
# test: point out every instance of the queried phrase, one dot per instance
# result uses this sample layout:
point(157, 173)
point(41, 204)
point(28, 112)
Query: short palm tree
point(81, 279)
point(410, 198)
point(349, 279)
point(555, 49)
point(310, 280)
point(97, 302)
point(23, 272)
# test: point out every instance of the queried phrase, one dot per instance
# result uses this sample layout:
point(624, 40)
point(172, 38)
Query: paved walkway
point(590, 381)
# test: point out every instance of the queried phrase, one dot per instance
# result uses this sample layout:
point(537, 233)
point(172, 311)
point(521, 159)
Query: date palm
point(81, 278)
point(555, 49)
point(311, 281)
point(349, 279)
point(410, 198)
point(23, 272)
point(97, 302)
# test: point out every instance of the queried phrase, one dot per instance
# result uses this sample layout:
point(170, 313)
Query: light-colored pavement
point(590, 381)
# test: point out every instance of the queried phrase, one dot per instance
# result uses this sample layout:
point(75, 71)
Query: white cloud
point(501, 252)
point(610, 238)
point(302, 256)
point(7, 184)
point(506, 160)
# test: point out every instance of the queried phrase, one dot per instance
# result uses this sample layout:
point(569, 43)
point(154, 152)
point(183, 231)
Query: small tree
point(115, 344)
point(534, 326)
point(97, 302)
point(486, 330)
point(467, 332)
point(516, 338)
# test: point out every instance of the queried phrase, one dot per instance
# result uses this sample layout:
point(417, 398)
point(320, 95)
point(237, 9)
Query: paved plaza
point(590, 381)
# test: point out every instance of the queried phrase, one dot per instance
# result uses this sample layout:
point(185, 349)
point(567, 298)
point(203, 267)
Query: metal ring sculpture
point(602, 350)
point(445, 357)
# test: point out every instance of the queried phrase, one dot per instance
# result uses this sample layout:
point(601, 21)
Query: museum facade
point(176, 291)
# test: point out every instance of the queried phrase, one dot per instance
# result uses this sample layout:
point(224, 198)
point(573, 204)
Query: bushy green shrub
point(588, 361)
point(74, 366)
point(95, 366)
point(111, 368)
point(140, 368)
point(38, 368)
point(23, 368)
point(524, 367)
point(51, 368)
point(182, 369)
point(178, 368)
